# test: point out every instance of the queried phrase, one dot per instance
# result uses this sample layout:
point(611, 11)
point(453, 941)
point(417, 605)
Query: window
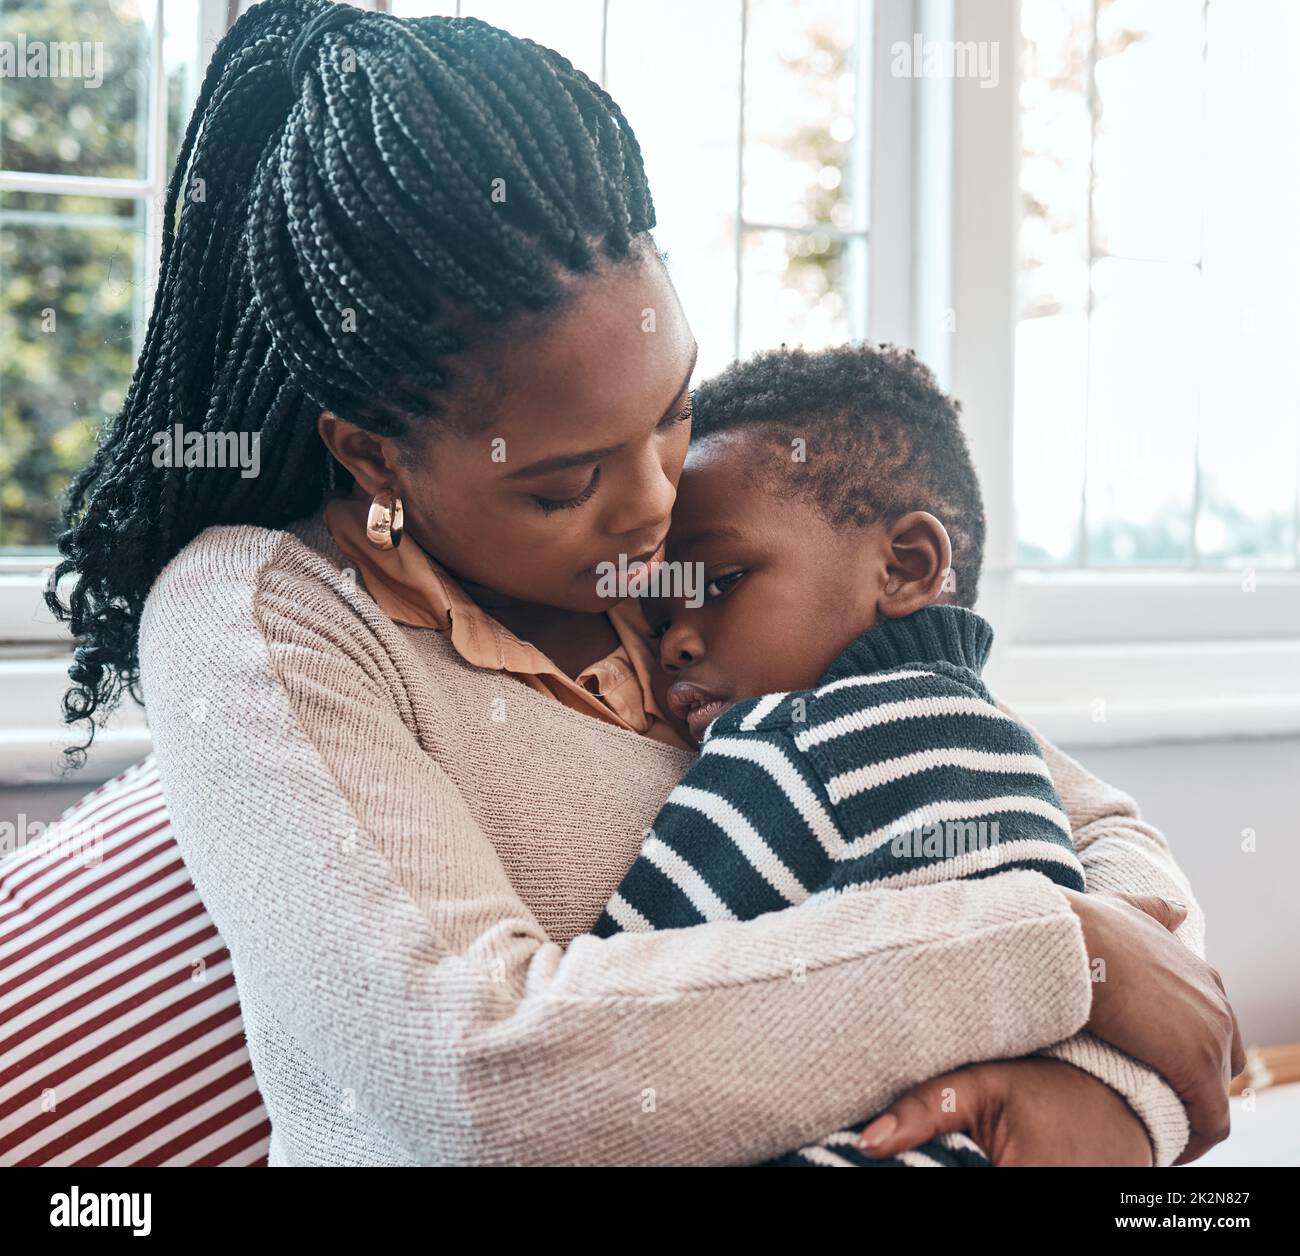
point(1157, 405)
point(1124, 280)
point(753, 119)
point(88, 134)
point(1092, 243)
point(754, 130)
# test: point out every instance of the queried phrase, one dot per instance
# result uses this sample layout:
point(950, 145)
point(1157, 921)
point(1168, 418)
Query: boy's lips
point(697, 708)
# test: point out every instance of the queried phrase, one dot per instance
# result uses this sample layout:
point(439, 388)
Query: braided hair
point(333, 236)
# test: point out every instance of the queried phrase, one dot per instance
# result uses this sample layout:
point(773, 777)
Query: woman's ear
point(373, 460)
point(919, 559)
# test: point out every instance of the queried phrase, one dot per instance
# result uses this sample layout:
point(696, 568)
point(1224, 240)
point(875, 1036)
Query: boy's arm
point(1122, 854)
point(1119, 853)
point(662, 889)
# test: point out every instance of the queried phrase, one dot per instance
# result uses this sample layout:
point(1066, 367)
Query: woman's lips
point(696, 707)
point(641, 572)
point(637, 566)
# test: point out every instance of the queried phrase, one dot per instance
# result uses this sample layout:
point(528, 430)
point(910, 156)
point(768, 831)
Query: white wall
point(1202, 796)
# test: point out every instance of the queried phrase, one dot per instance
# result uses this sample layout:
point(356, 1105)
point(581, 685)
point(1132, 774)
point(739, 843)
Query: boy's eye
point(720, 586)
point(548, 504)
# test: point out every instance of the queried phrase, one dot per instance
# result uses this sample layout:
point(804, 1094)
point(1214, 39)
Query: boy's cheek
point(659, 682)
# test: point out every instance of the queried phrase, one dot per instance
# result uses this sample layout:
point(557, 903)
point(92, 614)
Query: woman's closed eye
point(549, 504)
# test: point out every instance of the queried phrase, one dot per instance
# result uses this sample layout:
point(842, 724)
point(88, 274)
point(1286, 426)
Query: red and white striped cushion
point(121, 1041)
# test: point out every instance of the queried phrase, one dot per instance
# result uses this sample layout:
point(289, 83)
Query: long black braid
point(329, 238)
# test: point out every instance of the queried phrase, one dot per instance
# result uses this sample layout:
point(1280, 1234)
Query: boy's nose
point(681, 648)
point(675, 664)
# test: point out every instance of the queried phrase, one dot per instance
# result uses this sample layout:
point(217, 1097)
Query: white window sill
point(34, 677)
point(33, 736)
point(35, 756)
point(1075, 607)
point(1118, 696)
point(1123, 658)
point(24, 617)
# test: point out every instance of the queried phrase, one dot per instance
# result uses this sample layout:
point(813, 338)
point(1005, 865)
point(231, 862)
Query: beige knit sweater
point(403, 854)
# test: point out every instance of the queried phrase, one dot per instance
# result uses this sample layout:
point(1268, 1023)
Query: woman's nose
point(645, 501)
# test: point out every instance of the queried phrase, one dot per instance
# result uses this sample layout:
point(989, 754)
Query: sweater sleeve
point(1123, 854)
point(366, 909)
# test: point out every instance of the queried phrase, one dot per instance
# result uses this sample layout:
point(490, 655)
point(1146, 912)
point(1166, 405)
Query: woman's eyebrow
point(562, 461)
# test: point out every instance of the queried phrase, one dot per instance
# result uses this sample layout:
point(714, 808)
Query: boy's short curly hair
point(881, 438)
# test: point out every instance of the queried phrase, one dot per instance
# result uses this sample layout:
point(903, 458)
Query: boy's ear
point(917, 564)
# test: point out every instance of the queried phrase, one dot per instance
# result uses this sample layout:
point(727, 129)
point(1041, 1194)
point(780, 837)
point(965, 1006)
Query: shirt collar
point(411, 588)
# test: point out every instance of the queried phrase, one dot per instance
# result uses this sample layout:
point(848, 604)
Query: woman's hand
point(1157, 1001)
point(1020, 1112)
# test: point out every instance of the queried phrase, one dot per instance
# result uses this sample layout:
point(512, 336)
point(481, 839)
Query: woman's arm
point(1122, 854)
point(1017, 1112)
point(1158, 1002)
point(1154, 1102)
point(370, 920)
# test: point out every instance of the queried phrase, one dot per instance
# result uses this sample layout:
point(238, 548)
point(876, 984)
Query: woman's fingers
point(1238, 1047)
point(1205, 1130)
point(1237, 1063)
point(1169, 912)
point(943, 1105)
point(1237, 1053)
point(1157, 1001)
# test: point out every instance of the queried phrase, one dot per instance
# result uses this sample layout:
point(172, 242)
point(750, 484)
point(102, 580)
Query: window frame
point(1169, 654)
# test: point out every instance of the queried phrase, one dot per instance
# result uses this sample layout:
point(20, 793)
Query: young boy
point(831, 673)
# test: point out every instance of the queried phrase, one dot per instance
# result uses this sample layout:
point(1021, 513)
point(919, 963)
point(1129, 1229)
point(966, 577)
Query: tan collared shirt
point(411, 588)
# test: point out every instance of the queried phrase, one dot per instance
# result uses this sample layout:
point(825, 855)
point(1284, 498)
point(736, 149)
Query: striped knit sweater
point(897, 770)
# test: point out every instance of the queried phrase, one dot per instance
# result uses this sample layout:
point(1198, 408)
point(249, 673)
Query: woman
point(414, 259)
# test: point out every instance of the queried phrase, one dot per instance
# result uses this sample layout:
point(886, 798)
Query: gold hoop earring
point(384, 522)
